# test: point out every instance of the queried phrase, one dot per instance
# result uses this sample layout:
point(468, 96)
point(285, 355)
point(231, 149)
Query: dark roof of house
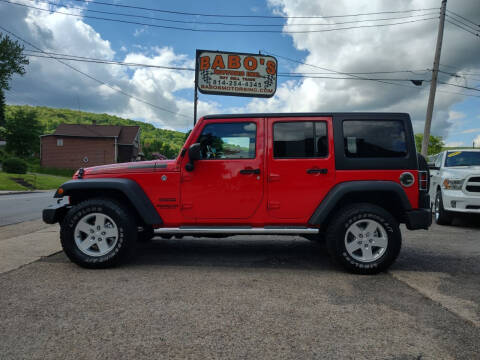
point(124, 134)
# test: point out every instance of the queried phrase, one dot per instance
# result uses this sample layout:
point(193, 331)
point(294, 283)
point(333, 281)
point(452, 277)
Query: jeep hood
point(130, 167)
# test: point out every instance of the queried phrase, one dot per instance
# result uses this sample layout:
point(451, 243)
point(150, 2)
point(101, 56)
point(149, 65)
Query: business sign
point(235, 74)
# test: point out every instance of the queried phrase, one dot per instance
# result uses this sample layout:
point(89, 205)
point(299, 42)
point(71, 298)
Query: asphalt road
point(249, 298)
point(17, 208)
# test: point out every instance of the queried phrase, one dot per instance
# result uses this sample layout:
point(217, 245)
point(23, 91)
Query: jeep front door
point(227, 183)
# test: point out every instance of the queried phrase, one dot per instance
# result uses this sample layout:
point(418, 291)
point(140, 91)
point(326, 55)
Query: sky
point(407, 48)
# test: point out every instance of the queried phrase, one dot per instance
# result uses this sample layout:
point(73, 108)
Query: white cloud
point(455, 115)
point(409, 46)
point(50, 83)
point(470, 131)
point(476, 141)
point(455, 144)
point(139, 31)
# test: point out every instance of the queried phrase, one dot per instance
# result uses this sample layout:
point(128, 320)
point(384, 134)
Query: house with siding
point(72, 146)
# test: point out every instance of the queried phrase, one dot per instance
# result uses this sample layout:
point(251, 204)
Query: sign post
point(195, 94)
point(234, 74)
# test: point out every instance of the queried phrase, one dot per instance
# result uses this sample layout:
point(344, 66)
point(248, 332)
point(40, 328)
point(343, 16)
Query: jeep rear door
point(300, 166)
point(227, 183)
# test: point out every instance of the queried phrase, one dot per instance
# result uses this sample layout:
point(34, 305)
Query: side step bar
point(238, 230)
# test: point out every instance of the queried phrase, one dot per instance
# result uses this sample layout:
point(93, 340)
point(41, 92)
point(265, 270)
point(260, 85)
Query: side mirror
point(194, 153)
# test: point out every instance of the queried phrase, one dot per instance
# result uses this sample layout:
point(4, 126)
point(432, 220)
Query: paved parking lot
point(251, 298)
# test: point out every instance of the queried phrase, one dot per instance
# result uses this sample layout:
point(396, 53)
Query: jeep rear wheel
point(442, 217)
point(98, 233)
point(364, 238)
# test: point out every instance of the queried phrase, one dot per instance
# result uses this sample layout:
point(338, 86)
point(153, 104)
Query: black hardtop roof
point(357, 115)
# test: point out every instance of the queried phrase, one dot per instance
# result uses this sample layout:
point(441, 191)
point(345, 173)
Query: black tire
point(442, 216)
point(337, 233)
point(123, 220)
point(146, 234)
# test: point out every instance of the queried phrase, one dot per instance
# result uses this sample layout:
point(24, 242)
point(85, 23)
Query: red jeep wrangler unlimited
point(348, 178)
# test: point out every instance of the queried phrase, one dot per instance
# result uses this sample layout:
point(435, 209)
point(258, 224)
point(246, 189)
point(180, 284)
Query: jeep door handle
point(249, 171)
point(317, 171)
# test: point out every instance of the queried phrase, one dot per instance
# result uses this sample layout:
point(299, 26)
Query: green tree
point(12, 61)
point(435, 145)
point(22, 132)
point(2, 109)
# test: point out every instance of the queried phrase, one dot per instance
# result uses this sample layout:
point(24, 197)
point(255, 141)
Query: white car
point(454, 183)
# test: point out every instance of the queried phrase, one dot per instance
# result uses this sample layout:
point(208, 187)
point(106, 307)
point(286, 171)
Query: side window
point(228, 140)
point(368, 138)
point(300, 139)
point(438, 160)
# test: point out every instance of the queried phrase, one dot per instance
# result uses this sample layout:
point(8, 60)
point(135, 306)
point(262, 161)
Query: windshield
point(463, 158)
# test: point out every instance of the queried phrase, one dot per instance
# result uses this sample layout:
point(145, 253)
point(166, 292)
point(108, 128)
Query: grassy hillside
point(166, 142)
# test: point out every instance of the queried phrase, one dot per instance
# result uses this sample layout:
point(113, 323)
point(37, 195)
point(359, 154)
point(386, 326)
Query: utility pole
point(433, 84)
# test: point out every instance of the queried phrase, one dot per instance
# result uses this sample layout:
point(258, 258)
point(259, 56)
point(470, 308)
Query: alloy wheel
point(366, 240)
point(96, 234)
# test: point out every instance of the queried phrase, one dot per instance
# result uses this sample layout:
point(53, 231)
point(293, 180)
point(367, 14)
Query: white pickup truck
point(454, 183)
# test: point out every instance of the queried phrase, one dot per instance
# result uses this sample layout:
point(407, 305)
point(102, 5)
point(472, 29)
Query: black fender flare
point(343, 189)
point(133, 192)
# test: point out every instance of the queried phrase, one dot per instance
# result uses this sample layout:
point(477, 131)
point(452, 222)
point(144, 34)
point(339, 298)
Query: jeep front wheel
point(364, 238)
point(98, 233)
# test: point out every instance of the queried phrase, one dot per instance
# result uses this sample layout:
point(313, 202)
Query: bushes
point(14, 166)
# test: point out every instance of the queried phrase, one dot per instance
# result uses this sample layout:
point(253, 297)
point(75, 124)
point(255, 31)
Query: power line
point(114, 62)
point(57, 5)
point(464, 18)
point(45, 54)
point(468, 26)
point(364, 73)
point(459, 86)
point(332, 71)
point(299, 75)
point(97, 80)
point(351, 76)
point(217, 30)
point(458, 67)
point(345, 78)
point(461, 75)
point(461, 27)
point(250, 16)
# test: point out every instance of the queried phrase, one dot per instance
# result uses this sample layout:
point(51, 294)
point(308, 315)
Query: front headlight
point(453, 184)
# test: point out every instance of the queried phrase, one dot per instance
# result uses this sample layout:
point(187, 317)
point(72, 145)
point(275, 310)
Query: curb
point(17, 192)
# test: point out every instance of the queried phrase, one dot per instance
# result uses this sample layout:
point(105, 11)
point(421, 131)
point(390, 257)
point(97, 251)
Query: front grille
point(473, 207)
point(473, 184)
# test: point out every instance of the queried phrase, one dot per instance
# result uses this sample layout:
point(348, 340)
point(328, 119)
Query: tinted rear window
point(300, 139)
point(368, 138)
